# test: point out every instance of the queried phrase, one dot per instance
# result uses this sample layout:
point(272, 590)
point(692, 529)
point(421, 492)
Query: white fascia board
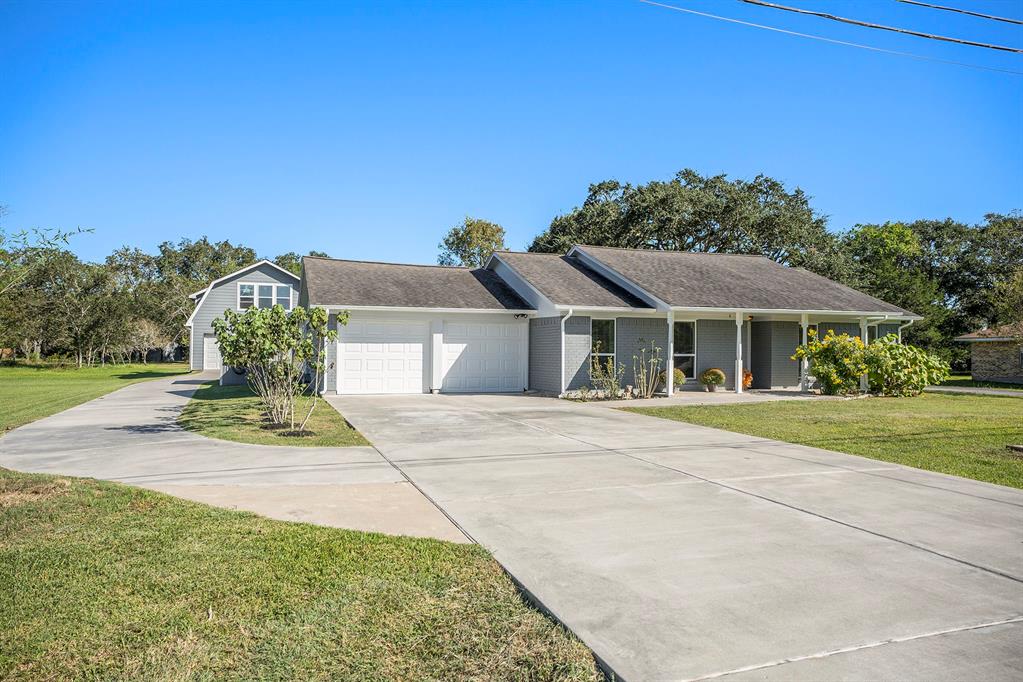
point(585, 309)
point(618, 278)
point(410, 309)
point(793, 311)
point(208, 289)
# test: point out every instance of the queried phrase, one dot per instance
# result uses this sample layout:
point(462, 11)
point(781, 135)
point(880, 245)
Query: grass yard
point(967, 380)
point(964, 435)
point(233, 413)
point(107, 581)
point(30, 392)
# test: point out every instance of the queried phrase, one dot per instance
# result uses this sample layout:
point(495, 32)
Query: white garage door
point(484, 357)
point(382, 356)
point(210, 353)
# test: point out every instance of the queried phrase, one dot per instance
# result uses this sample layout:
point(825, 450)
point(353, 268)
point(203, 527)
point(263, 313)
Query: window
point(602, 338)
point(284, 296)
point(264, 296)
point(684, 352)
point(246, 296)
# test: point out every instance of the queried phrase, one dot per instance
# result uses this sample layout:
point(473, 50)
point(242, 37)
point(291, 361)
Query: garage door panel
point(382, 356)
point(483, 357)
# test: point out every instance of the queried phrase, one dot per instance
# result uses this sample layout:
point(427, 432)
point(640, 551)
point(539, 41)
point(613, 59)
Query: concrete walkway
point(976, 390)
point(132, 436)
point(681, 552)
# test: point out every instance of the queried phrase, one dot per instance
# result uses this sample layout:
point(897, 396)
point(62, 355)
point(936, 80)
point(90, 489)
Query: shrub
point(606, 377)
point(838, 361)
point(712, 377)
point(644, 370)
point(902, 370)
point(747, 378)
point(678, 377)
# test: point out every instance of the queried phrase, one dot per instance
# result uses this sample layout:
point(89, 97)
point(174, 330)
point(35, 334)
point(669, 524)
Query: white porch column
point(436, 355)
point(738, 351)
point(863, 337)
point(804, 364)
point(670, 363)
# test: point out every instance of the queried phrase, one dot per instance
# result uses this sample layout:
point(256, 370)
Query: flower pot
point(712, 387)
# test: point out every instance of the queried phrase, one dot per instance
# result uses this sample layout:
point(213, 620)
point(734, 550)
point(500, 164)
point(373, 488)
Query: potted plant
point(747, 379)
point(712, 378)
point(678, 378)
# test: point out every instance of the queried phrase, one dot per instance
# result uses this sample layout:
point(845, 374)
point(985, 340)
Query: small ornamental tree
point(838, 361)
point(897, 369)
point(277, 348)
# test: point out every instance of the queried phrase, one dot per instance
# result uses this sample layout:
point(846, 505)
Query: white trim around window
point(614, 338)
point(278, 293)
point(676, 355)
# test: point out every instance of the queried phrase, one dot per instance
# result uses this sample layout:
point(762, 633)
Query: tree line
point(134, 304)
point(131, 307)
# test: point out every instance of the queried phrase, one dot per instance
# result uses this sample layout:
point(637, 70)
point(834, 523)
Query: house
point(533, 321)
point(996, 354)
point(260, 285)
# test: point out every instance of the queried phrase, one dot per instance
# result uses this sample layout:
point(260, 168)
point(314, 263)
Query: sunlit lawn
point(967, 380)
point(30, 392)
point(964, 435)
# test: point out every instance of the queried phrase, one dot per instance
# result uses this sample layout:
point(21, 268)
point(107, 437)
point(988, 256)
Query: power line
point(856, 22)
point(963, 11)
point(831, 40)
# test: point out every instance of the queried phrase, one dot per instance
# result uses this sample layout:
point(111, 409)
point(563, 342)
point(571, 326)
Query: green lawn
point(233, 413)
point(967, 380)
point(964, 435)
point(106, 581)
point(30, 392)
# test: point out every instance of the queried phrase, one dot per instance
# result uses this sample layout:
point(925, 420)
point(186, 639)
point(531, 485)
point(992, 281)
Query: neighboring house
point(260, 285)
point(997, 353)
point(533, 321)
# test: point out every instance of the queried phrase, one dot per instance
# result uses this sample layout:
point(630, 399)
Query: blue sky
point(367, 130)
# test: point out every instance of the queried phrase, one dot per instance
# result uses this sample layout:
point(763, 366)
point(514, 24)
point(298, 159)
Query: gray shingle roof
point(711, 280)
point(331, 281)
point(566, 281)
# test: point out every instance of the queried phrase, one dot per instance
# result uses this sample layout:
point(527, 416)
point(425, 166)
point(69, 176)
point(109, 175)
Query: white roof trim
point(204, 292)
point(413, 309)
point(794, 311)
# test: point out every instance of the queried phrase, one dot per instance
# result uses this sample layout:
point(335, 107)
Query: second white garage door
point(382, 356)
point(484, 357)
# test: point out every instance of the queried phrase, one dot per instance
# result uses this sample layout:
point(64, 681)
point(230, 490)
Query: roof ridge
point(381, 262)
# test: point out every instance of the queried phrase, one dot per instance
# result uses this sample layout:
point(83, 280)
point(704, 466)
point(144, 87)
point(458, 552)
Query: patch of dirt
point(32, 492)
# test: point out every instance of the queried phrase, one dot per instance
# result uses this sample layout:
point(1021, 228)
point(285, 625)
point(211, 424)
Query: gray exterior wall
point(715, 347)
point(545, 354)
point(850, 328)
point(223, 297)
point(634, 334)
point(886, 329)
point(577, 352)
point(771, 348)
point(329, 379)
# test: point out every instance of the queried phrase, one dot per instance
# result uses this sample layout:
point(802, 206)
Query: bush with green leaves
point(897, 369)
point(678, 378)
point(606, 376)
point(277, 348)
point(838, 361)
point(713, 377)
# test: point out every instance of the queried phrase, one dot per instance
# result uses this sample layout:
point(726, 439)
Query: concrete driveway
point(132, 436)
point(682, 552)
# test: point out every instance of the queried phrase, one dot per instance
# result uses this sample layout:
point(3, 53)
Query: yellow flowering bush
point(838, 361)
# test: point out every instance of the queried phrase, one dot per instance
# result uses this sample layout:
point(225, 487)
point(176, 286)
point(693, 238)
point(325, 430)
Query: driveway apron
point(682, 552)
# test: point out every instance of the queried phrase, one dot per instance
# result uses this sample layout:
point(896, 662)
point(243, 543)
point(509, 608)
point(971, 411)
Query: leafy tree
point(292, 262)
point(1008, 298)
point(691, 212)
point(23, 250)
point(471, 243)
point(276, 348)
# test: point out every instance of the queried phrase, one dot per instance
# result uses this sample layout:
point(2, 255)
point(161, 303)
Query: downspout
point(903, 326)
point(563, 320)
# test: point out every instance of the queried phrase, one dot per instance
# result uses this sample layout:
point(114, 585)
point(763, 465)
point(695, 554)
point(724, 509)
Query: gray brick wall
point(772, 345)
point(545, 354)
point(223, 297)
point(715, 347)
point(635, 334)
point(577, 352)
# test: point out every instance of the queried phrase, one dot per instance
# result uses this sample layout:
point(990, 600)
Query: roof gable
point(568, 281)
point(203, 294)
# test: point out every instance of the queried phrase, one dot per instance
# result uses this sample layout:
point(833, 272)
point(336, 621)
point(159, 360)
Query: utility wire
point(963, 11)
point(856, 22)
point(831, 40)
